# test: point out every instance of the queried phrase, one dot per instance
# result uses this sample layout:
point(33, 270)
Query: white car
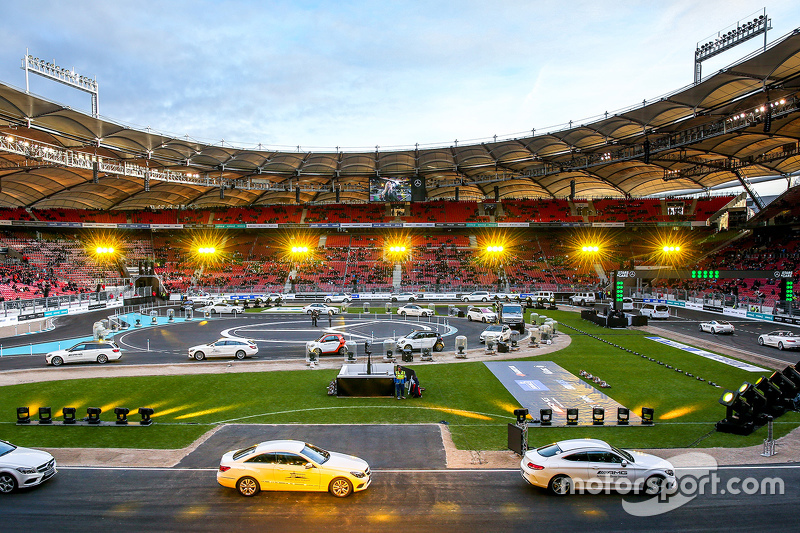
point(221, 308)
point(322, 309)
point(339, 297)
point(627, 304)
point(582, 298)
point(478, 296)
point(237, 348)
point(85, 352)
point(783, 340)
point(481, 314)
point(420, 340)
point(655, 311)
point(413, 310)
point(576, 464)
point(403, 297)
point(292, 465)
point(717, 326)
point(496, 333)
point(23, 467)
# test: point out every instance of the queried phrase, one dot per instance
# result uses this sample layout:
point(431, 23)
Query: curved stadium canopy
point(738, 124)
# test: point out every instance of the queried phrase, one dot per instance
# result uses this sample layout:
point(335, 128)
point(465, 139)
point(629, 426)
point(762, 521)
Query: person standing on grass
point(399, 382)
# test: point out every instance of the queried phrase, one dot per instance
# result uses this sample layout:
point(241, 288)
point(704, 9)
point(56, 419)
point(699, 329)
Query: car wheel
point(464, 299)
point(780, 345)
point(654, 485)
point(394, 299)
point(327, 300)
point(56, 361)
point(760, 341)
point(484, 320)
point(308, 312)
point(247, 486)
point(438, 347)
point(7, 483)
point(240, 355)
point(340, 487)
point(713, 331)
point(199, 356)
point(701, 329)
point(469, 317)
point(407, 348)
point(102, 359)
point(343, 351)
point(560, 485)
point(485, 299)
point(331, 312)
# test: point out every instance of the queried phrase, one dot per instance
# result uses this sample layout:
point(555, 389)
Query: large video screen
point(389, 190)
point(397, 189)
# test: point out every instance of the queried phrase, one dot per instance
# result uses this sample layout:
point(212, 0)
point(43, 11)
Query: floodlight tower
point(745, 30)
point(69, 78)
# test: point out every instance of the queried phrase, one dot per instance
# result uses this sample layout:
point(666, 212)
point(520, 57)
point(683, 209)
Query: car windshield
point(662, 308)
point(494, 328)
point(485, 310)
point(512, 309)
point(6, 448)
point(549, 451)
point(625, 455)
point(318, 455)
point(243, 453)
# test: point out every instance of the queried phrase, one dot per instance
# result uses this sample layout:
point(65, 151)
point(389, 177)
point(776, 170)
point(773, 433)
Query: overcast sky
point(360, 74)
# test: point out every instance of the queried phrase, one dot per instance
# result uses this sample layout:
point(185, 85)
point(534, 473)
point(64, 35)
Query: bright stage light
point(206, 250)
point(299, 249)
point(495, 249)
point(590, 249)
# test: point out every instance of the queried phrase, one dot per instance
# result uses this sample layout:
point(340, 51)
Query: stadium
point(155, 243)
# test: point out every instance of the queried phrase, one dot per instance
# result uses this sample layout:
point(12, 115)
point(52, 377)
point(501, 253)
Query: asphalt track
point(399, 499)
point(278, 335)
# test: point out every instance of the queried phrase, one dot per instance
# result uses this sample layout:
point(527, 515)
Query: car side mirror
point(624, 462)
point(309, 465)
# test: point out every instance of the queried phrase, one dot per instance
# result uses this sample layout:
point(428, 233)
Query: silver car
point(576, 464)
point(781, 339)
point(236, 348)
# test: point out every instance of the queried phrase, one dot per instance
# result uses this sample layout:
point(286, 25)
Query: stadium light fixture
point(206, 250)
point(590, 249)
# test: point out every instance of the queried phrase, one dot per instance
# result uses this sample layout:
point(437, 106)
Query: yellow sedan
point(293, 466)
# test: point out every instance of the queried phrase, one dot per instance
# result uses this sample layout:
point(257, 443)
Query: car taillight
point(224, 468)
point(115, 350)
point(534, 467)
point(252, 347)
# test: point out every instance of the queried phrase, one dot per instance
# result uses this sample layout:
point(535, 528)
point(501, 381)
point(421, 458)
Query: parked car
point(85, 352)
point(513, 316)
point(237, 348)
point(783, 340)
point(572, 464)
point(292, 466)
point(717, 326)
point(478, 296)
point(339, 297)
point(322, 309)
point(481, 314)
point(221, 309)
point(413, 310)
point(23, 467)
point(421, 339)
point(330, 343)
point(654, 311)
point(627, 304)
point(497, 333)
point(583, 298)
point(403, 297)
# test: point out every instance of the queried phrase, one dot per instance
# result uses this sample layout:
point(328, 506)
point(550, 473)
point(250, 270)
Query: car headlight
point(359, 475)
point(25, 470)
point(669, 472)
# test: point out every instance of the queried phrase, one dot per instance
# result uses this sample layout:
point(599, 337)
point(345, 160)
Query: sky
point(359, 75)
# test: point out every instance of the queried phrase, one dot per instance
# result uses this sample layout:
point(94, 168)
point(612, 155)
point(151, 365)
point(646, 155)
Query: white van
point(627, 304)
point(655, 311)
point(582, 298)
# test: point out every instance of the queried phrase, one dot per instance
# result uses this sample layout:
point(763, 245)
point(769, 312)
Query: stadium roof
point(737, 124)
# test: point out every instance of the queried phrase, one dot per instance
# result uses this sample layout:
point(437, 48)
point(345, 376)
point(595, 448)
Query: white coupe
point(322, 309)
point(576, 464)
point(717, 326)
point(221, 308)
point(496, 333)
point(413, 310)
point(292, 465)
point(783, 340)
point(23, 467)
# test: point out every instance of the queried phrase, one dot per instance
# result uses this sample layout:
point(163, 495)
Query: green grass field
point(466, 396)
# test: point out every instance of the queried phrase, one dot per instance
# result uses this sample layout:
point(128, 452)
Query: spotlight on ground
point(69, 415)
point(122, 415)
point(93, 415)
point(598, 416)
point(647, 415)
point(23, 415)
point(45, 415)
point(521, 414)
point(546, 417)
point(146, 413)
point(623, 416)
point(572, 416)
